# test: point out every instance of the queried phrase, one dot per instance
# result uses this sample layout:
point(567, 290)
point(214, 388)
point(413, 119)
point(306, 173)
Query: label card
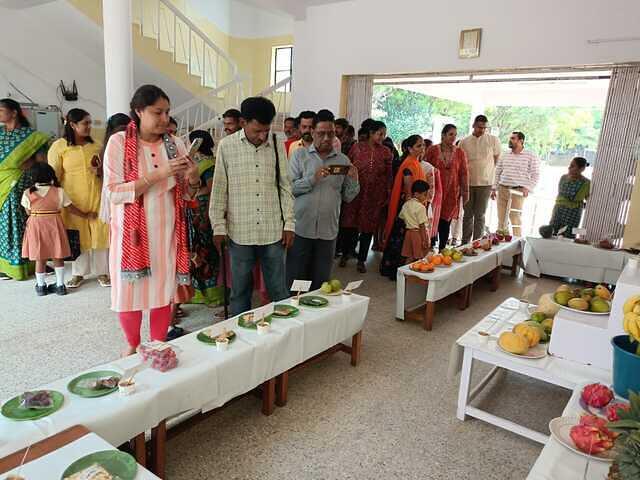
point(301, 286)
point(264, 311)
point(528, 291)
point(579, 231)
point(353, 285)
point(562, 230)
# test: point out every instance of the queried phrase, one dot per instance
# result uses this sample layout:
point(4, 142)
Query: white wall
point(404, 36)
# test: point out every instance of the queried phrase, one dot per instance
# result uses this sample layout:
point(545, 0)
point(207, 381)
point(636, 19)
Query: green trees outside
point(552, 133)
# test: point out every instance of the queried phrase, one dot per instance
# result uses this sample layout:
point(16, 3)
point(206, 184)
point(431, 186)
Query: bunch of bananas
point(631, 323)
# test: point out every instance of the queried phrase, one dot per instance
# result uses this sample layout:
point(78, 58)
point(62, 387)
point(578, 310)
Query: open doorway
point(559, 112)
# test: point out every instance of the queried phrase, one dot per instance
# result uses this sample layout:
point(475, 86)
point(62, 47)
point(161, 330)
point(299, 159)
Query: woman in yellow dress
point(76, 161)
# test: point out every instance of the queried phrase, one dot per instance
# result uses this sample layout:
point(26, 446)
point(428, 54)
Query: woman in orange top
point(451, 162)
point(409, 171)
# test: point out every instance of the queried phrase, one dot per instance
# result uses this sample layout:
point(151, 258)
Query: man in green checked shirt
point(251, 206)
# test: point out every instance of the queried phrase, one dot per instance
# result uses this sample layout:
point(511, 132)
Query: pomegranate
point(590, 439)
point(597, 395)
point(613, 411)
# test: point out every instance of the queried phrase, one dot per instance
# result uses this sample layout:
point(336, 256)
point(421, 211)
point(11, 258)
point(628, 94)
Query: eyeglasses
point(325, 134)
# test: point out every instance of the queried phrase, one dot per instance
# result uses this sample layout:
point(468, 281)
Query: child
point(414, 213)
point(45, 236)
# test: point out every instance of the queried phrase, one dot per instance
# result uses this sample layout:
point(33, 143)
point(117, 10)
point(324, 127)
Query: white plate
point(560, 430)
point(539, 351)
point(583, 311)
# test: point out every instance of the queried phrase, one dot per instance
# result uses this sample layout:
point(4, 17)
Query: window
point(282, 66)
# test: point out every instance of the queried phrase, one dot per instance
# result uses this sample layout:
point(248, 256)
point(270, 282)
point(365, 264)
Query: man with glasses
point(306, 121)
point(483, 151)
point(517, 174)
point(319, 186)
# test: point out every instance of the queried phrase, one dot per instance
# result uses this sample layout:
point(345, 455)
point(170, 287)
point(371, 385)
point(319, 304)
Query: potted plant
point(626, 466)
point(626, 350)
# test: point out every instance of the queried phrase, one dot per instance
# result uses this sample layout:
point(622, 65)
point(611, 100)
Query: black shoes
point(41, 290)
point(60, 290)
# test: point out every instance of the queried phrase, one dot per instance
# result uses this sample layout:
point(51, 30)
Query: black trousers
point(310, 259)
point(443, 233)
point(351, 236)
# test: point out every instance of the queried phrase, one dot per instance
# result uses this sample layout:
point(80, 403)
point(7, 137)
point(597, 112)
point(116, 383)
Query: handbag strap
point(275, 148)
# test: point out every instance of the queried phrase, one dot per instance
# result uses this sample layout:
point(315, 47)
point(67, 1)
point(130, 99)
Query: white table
point(564, 258)
point(203, 380)
point(469, 348)
point(53, 465)
point(558, 462)
point(445, 281)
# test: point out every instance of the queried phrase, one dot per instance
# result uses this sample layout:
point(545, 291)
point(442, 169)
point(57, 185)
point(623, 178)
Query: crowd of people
point(163, 226)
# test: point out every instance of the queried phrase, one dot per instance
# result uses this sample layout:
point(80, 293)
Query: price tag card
point(264, 311)
point(528, 291)
point(579, 231)
point(353, 285)
point(301, 286)
point(562, 230)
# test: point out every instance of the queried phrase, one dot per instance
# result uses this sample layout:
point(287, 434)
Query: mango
point(543, 334)
point(547, 324)
point(588, 291)
point(578, 304)
point(513, 343)
point(563, 288)
point(538, 317)
point(326, 287)
point(336, 285)
point(600, 306)
point(532, 334)
point(562, 297)
point(602, 292)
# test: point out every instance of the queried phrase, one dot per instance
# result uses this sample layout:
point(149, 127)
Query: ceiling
point(295, 8)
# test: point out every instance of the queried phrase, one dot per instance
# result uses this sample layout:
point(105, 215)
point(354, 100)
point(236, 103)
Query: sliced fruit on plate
point(596, 395)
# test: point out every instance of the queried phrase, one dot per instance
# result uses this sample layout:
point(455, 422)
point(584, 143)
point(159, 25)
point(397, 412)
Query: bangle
point(146, 181)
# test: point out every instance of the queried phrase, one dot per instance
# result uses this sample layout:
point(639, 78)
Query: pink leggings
point(159, 324)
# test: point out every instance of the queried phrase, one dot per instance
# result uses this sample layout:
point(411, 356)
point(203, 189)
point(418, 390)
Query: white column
point(118, 54)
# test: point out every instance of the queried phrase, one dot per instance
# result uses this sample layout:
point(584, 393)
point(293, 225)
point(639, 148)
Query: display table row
point(415, 289)
point(565, 258)
point(204, 379)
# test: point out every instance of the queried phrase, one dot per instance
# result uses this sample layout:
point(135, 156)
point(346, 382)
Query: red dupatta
point(412, 164)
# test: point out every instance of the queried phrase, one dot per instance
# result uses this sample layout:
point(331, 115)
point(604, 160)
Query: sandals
point(104, 280)
point(75, 281)
point(180, 313)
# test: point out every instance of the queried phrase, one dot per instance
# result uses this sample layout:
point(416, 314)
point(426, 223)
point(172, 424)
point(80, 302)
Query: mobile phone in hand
point(195, 146)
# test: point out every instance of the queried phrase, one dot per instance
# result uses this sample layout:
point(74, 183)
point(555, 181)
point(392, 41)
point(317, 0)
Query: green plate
point(89, 392)
point(293, 311)
point(212, 341)
point(243, 323)
point(119, 464)
point(314, 301)
point(11, 409)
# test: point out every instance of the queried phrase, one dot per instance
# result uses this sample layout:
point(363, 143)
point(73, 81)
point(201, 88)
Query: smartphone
point(195, 146)
point(338, 169)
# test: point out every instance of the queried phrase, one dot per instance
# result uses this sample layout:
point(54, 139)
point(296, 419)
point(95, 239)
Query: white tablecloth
point(564, 258)
point(558, 462)
point(559, 371)
point(53, 465)
point(204, 379)
point(445, 281)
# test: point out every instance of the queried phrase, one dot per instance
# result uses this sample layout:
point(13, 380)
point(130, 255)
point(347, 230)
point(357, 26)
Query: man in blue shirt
point(319, 189)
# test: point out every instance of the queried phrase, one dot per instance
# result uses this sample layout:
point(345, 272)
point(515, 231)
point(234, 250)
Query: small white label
point(263, 312)
point(562, 230)
point(579, 231)
point(301, 286)
point(528, 291)
point(353, 285)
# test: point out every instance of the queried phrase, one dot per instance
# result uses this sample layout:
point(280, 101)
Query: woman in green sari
point(20, 147)
point(573, 191)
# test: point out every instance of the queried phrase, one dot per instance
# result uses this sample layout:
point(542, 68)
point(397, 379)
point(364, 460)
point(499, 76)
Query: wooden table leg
point(429, 313)
point(269, 396)
point(495, 279)
point(515, 263)
point(469, 294)
point(464, 298)
point(140, 449)
point(159, 448)
point(282, 388)
point(356, 348)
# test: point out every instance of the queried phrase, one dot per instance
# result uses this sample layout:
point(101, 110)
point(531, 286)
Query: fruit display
point(469, 252)
point(631, 319)
point(531, 333)
point(513, 343)
point(423, 266)
point(627, 461)
point(595, 300)
point(596, 395)
point(606, 244)
point(543, 321)
point(591, 435)
point(332, 286)
point(161, 355)
point(614, 410)
point(547, 306)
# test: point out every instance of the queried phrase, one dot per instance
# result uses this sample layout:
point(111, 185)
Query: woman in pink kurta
point(451, 162)
point(157, 176)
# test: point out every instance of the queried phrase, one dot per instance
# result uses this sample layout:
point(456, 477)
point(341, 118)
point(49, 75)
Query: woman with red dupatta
point(148, 178)
point(409, 171)
point(451, 162)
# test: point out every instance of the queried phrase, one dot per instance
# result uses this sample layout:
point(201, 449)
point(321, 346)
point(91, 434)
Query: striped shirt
point(517, 170)
point(244, 197)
